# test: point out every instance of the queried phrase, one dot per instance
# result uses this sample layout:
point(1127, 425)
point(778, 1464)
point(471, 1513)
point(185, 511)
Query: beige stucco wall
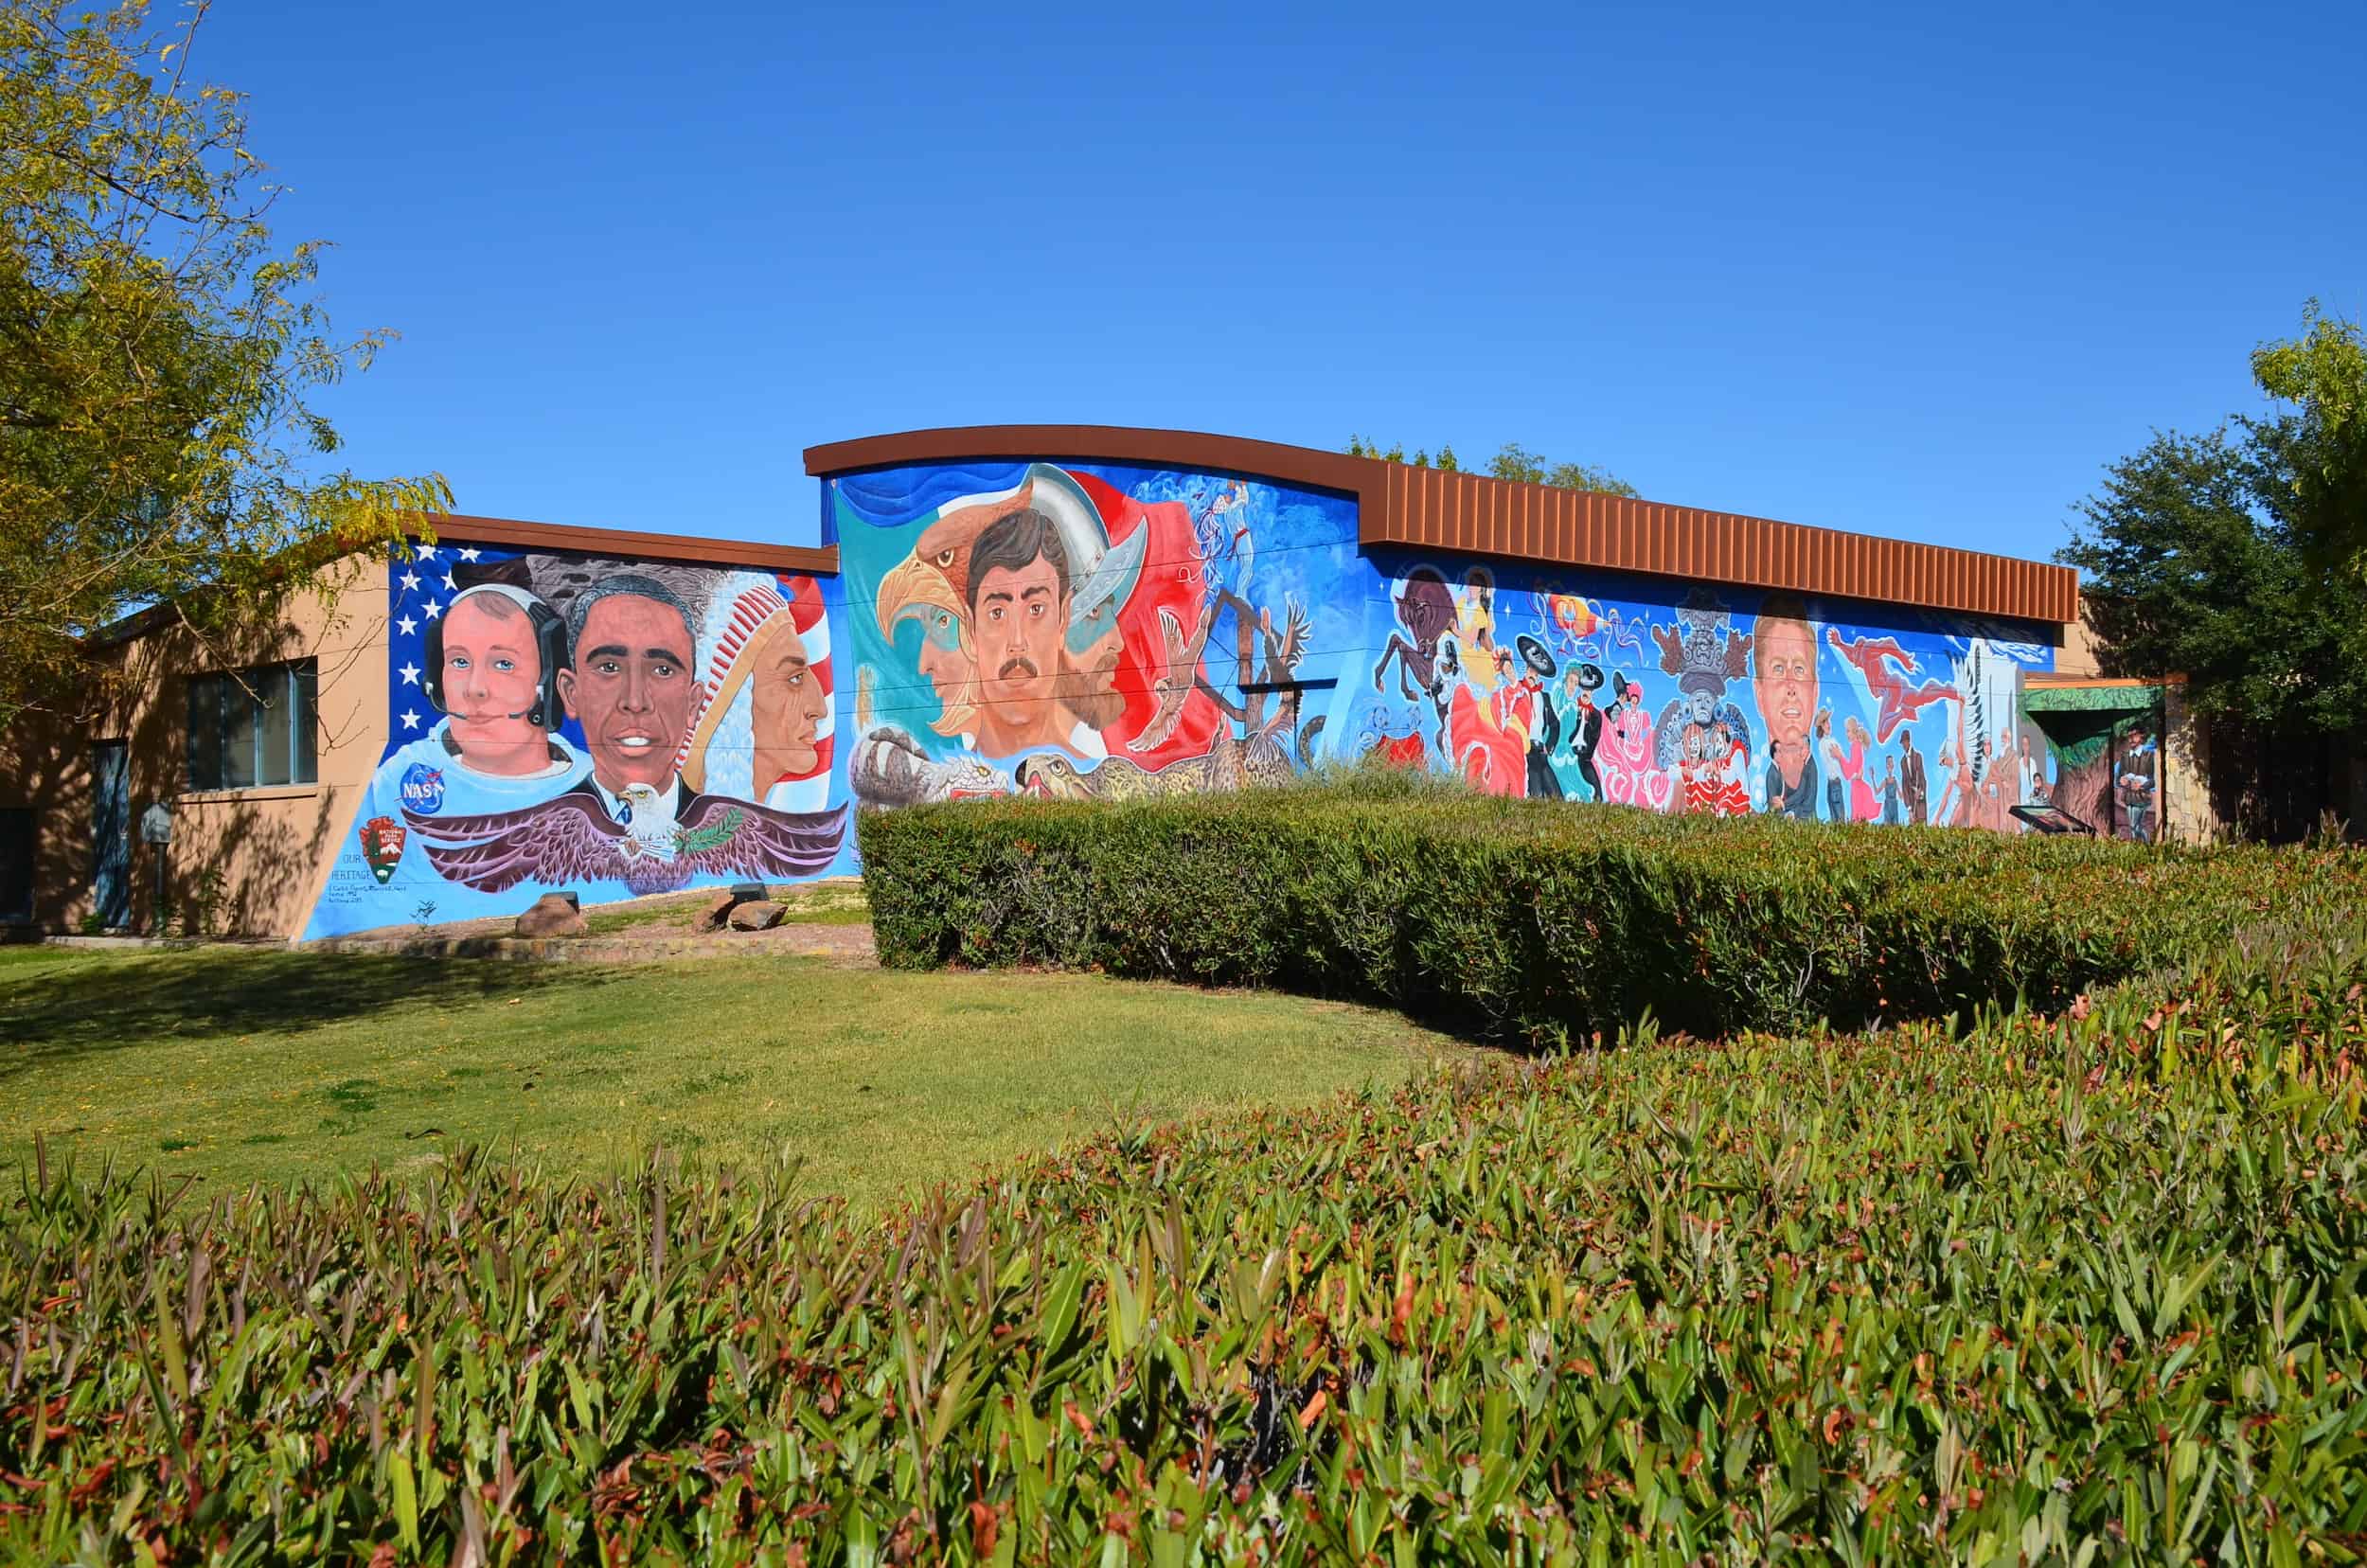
point(2186, 813)
point(2078, 656)
point(256, 856)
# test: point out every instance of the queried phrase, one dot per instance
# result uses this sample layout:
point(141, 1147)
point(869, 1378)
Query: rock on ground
point(756, 914)
point(552, 916)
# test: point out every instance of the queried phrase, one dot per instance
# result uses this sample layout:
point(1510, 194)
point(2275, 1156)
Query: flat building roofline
point(1474, 514)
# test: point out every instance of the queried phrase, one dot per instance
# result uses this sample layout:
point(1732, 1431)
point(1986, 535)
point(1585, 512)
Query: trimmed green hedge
point(1548, 923)
point(2079, 1289)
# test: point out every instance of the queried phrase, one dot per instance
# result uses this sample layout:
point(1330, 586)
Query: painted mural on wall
point(1724, 703)
point(1103, 632)
point(611, 727)
point(1088, 630)
point(2104, 744)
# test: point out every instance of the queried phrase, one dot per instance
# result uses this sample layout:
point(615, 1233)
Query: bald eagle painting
point(572, 838)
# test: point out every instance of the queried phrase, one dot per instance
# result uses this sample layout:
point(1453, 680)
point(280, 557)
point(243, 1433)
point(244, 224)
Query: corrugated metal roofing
point(1432, 508)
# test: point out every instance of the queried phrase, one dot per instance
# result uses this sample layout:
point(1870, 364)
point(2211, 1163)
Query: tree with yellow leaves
point(158, 353)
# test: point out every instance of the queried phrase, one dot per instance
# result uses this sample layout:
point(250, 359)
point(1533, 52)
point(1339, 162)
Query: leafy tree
point(1586, 476)
point(2322, 439)
point(1514, 461)
point(2194, 564)
point(157, 349)
point(1518, 462)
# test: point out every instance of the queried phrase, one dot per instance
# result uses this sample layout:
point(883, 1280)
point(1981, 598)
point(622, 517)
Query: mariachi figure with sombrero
point(1545, 729)
point(1586, 727)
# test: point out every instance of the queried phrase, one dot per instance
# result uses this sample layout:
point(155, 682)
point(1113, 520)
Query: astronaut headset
point(550, 646)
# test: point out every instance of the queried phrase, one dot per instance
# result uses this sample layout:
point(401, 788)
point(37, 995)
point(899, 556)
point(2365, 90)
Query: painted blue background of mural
point(1250, 634)
point(490, 791)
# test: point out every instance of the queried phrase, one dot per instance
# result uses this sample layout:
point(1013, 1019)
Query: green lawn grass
point(244, 1065)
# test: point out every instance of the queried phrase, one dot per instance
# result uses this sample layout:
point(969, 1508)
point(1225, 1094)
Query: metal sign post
point(156, 828)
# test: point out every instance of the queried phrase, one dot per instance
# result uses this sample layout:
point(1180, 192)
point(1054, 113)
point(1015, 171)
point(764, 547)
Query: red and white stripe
point(807, 613)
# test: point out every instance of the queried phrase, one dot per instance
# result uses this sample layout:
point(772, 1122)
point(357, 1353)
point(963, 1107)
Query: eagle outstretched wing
point(570, 839)
point(567, 838)
point(720, 836)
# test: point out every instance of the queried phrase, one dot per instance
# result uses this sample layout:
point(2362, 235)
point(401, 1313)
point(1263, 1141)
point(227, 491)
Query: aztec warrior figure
point(1103, 633)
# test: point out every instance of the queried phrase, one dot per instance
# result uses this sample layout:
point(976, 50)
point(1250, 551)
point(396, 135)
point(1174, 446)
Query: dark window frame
point(20, 846)
point(254, 729)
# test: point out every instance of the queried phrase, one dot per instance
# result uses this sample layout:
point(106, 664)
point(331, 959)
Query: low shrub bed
point(1546, 924)
point(2070, 1289)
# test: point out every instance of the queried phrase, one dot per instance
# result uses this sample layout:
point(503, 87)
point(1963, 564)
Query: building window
point(253, 727)
point(16, 864)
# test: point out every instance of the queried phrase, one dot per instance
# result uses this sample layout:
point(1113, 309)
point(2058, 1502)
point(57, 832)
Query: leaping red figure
point(1897, 704)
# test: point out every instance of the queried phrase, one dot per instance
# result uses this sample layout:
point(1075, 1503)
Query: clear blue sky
point(1911, 270)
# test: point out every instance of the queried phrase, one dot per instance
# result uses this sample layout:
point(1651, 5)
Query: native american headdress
point(743, 630)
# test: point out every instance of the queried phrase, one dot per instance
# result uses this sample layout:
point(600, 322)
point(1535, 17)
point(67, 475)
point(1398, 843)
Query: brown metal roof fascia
point(627, 543)
point(1193, 449)
point(1472, 513)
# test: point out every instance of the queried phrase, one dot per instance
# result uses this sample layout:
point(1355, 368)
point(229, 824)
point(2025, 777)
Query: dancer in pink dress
point(1863, 804)
point(1629, 771)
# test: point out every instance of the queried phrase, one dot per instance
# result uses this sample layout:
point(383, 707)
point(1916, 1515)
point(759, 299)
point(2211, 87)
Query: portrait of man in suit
point(628, 685)
point(1915, 784)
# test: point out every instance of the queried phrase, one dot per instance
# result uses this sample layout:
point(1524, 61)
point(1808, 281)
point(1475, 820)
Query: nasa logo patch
point(423, 789)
